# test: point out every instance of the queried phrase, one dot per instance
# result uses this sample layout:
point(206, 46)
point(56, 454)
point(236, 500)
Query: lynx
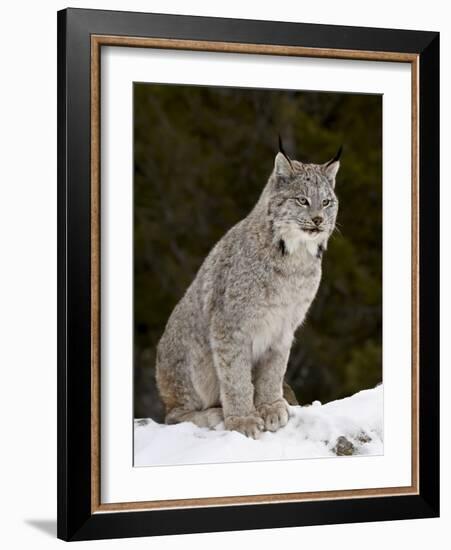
point(225, 348)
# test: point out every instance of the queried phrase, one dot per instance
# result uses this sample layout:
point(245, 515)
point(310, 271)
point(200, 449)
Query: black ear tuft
point(336, 157)
point(281, 147)
point(282, 150)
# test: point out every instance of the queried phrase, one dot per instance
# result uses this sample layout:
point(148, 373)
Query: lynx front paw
point(275, 415)
point(250, 426)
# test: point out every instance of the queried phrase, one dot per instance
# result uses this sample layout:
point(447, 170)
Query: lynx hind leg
point(180, 398)
point(289, 394)
point(208, 418)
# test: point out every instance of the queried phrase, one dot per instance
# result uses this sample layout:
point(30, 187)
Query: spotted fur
point(225, 348)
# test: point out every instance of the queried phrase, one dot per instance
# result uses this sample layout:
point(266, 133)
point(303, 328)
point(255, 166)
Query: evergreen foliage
point(201, 158)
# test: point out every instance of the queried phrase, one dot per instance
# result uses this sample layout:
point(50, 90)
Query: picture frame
point(81, 36)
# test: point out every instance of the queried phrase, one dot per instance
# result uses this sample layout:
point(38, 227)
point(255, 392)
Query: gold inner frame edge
point(97, 41)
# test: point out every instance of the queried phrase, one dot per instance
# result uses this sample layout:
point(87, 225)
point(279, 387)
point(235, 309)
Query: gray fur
point(224, 352)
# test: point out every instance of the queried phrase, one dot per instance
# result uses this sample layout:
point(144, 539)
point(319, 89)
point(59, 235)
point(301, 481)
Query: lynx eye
point(326, 202)
point(302, 201)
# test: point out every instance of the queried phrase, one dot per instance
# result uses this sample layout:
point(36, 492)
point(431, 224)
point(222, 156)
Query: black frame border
point(75, 520)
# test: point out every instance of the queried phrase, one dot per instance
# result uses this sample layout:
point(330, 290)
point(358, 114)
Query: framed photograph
point(248, 274)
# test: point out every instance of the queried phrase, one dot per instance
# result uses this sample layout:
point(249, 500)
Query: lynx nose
point(317, 220)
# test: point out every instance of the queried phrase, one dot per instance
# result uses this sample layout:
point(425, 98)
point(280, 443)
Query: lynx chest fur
point(288, 296)
point(225, 349)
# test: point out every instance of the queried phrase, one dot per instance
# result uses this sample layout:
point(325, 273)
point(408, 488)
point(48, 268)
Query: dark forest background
point(201, 158)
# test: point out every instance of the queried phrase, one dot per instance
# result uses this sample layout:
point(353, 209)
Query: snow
point(353, 425)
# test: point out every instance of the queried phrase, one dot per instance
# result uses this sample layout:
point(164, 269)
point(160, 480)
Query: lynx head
point(302, 204)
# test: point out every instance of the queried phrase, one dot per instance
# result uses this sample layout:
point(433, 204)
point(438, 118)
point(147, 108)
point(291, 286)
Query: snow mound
point(350, 426)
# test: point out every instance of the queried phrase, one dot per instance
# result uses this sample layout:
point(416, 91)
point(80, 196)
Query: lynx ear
point(282, 164)
point(331, 167)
